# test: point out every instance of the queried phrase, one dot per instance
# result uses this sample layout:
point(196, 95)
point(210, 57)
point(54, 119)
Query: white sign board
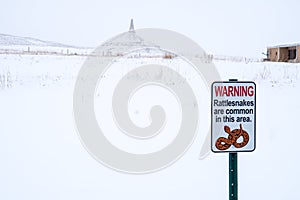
point(233, 112)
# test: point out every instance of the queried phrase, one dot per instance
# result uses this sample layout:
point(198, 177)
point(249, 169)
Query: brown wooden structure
point(284, 53)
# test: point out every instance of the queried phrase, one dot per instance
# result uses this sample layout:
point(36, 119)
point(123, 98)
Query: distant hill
point(8, 40)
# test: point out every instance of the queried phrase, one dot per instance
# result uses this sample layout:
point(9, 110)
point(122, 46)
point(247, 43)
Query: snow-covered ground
point(42, 157)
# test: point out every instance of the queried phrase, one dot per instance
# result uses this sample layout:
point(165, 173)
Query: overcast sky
point(231, 27)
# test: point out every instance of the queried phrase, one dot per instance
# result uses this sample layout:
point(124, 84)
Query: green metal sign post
point(233, 176)
point(233, 171)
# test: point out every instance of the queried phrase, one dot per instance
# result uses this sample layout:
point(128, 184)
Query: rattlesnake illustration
point(223, 143)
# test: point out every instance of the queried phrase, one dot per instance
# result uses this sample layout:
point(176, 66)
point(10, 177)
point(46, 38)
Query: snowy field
point(42, 156)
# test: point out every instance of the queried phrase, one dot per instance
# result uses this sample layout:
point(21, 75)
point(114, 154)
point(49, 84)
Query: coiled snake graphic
point(223, 143)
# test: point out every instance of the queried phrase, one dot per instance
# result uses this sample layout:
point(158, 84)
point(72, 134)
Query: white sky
point(231, 27)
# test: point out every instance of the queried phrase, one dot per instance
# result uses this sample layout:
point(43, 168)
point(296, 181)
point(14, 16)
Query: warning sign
point(233, 114)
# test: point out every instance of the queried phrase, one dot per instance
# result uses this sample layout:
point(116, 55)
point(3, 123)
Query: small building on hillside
point(284, 53)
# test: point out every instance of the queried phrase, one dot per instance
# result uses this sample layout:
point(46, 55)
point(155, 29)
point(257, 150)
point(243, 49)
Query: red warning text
point(234, 90)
